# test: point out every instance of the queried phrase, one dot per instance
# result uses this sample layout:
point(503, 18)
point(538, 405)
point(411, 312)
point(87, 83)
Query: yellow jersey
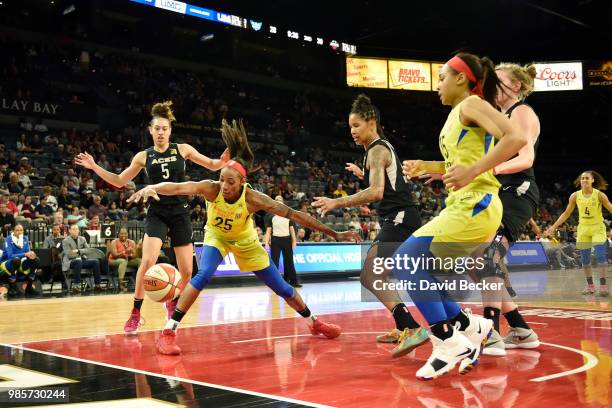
point(589, 208)
point(230, 222)
point(465, 145)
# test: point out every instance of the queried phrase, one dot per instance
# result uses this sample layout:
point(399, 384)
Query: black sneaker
point(32, 289)
point(76, 289)
point(15, 290)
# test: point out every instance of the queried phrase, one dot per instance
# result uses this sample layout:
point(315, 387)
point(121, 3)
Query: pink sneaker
point(603, 291)
point(133, 323)
point(170, 305)
point(166, 344)
point(331, 331)
point(589, 289)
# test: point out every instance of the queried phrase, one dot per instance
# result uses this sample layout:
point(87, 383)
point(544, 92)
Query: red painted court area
point(572, 368)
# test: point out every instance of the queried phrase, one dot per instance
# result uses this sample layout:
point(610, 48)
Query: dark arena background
point(82, 76)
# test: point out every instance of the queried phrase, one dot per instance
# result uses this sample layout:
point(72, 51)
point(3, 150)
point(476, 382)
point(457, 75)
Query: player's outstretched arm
point(190, 153)
point(257, 201)
point(207, 188)
point(563, 217)
point(378, 159)
point(118, 180)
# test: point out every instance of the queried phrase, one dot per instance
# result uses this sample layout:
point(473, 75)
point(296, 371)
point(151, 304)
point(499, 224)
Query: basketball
point(161, 282)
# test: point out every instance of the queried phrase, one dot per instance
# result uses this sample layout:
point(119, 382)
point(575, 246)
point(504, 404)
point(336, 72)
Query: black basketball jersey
point(167, 166)
point(524, 180)
point(397, 193)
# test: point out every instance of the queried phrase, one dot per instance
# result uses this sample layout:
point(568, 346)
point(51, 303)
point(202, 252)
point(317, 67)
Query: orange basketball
point(161, 282)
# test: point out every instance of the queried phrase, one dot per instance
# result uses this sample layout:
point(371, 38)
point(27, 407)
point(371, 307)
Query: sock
point(176, 318)
point(492, 313)
point(589, 280)
point(403, 318)
point(515, 319)
point(305, 312)
point(463, 319)
point(442, 330)
point(138, 303)
point(602, 281)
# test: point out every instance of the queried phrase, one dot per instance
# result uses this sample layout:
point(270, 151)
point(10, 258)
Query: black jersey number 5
point(165, 171)
point(227, 223)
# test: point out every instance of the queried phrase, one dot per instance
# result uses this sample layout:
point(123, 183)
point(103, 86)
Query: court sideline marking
point(169, 377)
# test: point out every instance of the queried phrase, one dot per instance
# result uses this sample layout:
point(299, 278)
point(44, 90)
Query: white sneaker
point(479, 329)
point(521, 338)
point(495, 345)
point(445, 356)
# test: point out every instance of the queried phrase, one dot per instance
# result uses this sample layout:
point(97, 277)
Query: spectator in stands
point(24, 179)
point(122, 255)
point(97, 209)
point(339, 191)
point(11, 203)
point(73, 189)
point(74, 257)
point(64, 201)
point(7, 220)
point(51, 139)
point(61, 155)
point(14, 186)
point(36, 144)
point(23, 146)
point(300, 235)
point(26, 209)
point(44, 211)
point(53, 178)
point(58, 219)
point(19, 262)
point(197, 215)
point(56, 233)
point(25, 162)
point(114, 213)
point(87, 197)
point(75, 217)
point(354, 222)
point(51, 199)
point(71, 175)
point(94, 223)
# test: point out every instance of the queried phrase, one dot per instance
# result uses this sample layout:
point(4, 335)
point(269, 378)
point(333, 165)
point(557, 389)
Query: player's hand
point(353, 168)
point(413, 168)
point(143, 195)
point(429, 178)
point(347, 236)
point(458, 176)
point(86, 160)
point(324, 204)
point(225, 156)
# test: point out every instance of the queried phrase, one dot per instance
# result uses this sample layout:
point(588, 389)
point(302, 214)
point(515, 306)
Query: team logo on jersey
point(172, 151)
point(237, 216)
point(162, 160)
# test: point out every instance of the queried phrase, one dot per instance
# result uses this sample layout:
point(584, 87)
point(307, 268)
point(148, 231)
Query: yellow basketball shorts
point(469, 220)
point(590, 235)
point(249, 253)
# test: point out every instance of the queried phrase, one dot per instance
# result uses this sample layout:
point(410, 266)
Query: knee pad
point(585, 257)
point(601, 254)
point(491, 268)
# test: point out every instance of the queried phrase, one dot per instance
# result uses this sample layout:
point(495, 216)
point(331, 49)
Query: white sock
point(171, 324)
point(310, 320)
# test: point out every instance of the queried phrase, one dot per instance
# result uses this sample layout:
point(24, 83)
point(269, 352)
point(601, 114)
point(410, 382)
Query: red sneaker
point(166, 344)
point(331, 331)
point(170, 305)
point(133, 323)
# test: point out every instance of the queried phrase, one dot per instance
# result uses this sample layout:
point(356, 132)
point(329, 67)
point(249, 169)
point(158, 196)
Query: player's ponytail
point(599, 182)
point(235, 137)
point(524, 74)
point(363, 106)
point(163, 110)
point(487, 82)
